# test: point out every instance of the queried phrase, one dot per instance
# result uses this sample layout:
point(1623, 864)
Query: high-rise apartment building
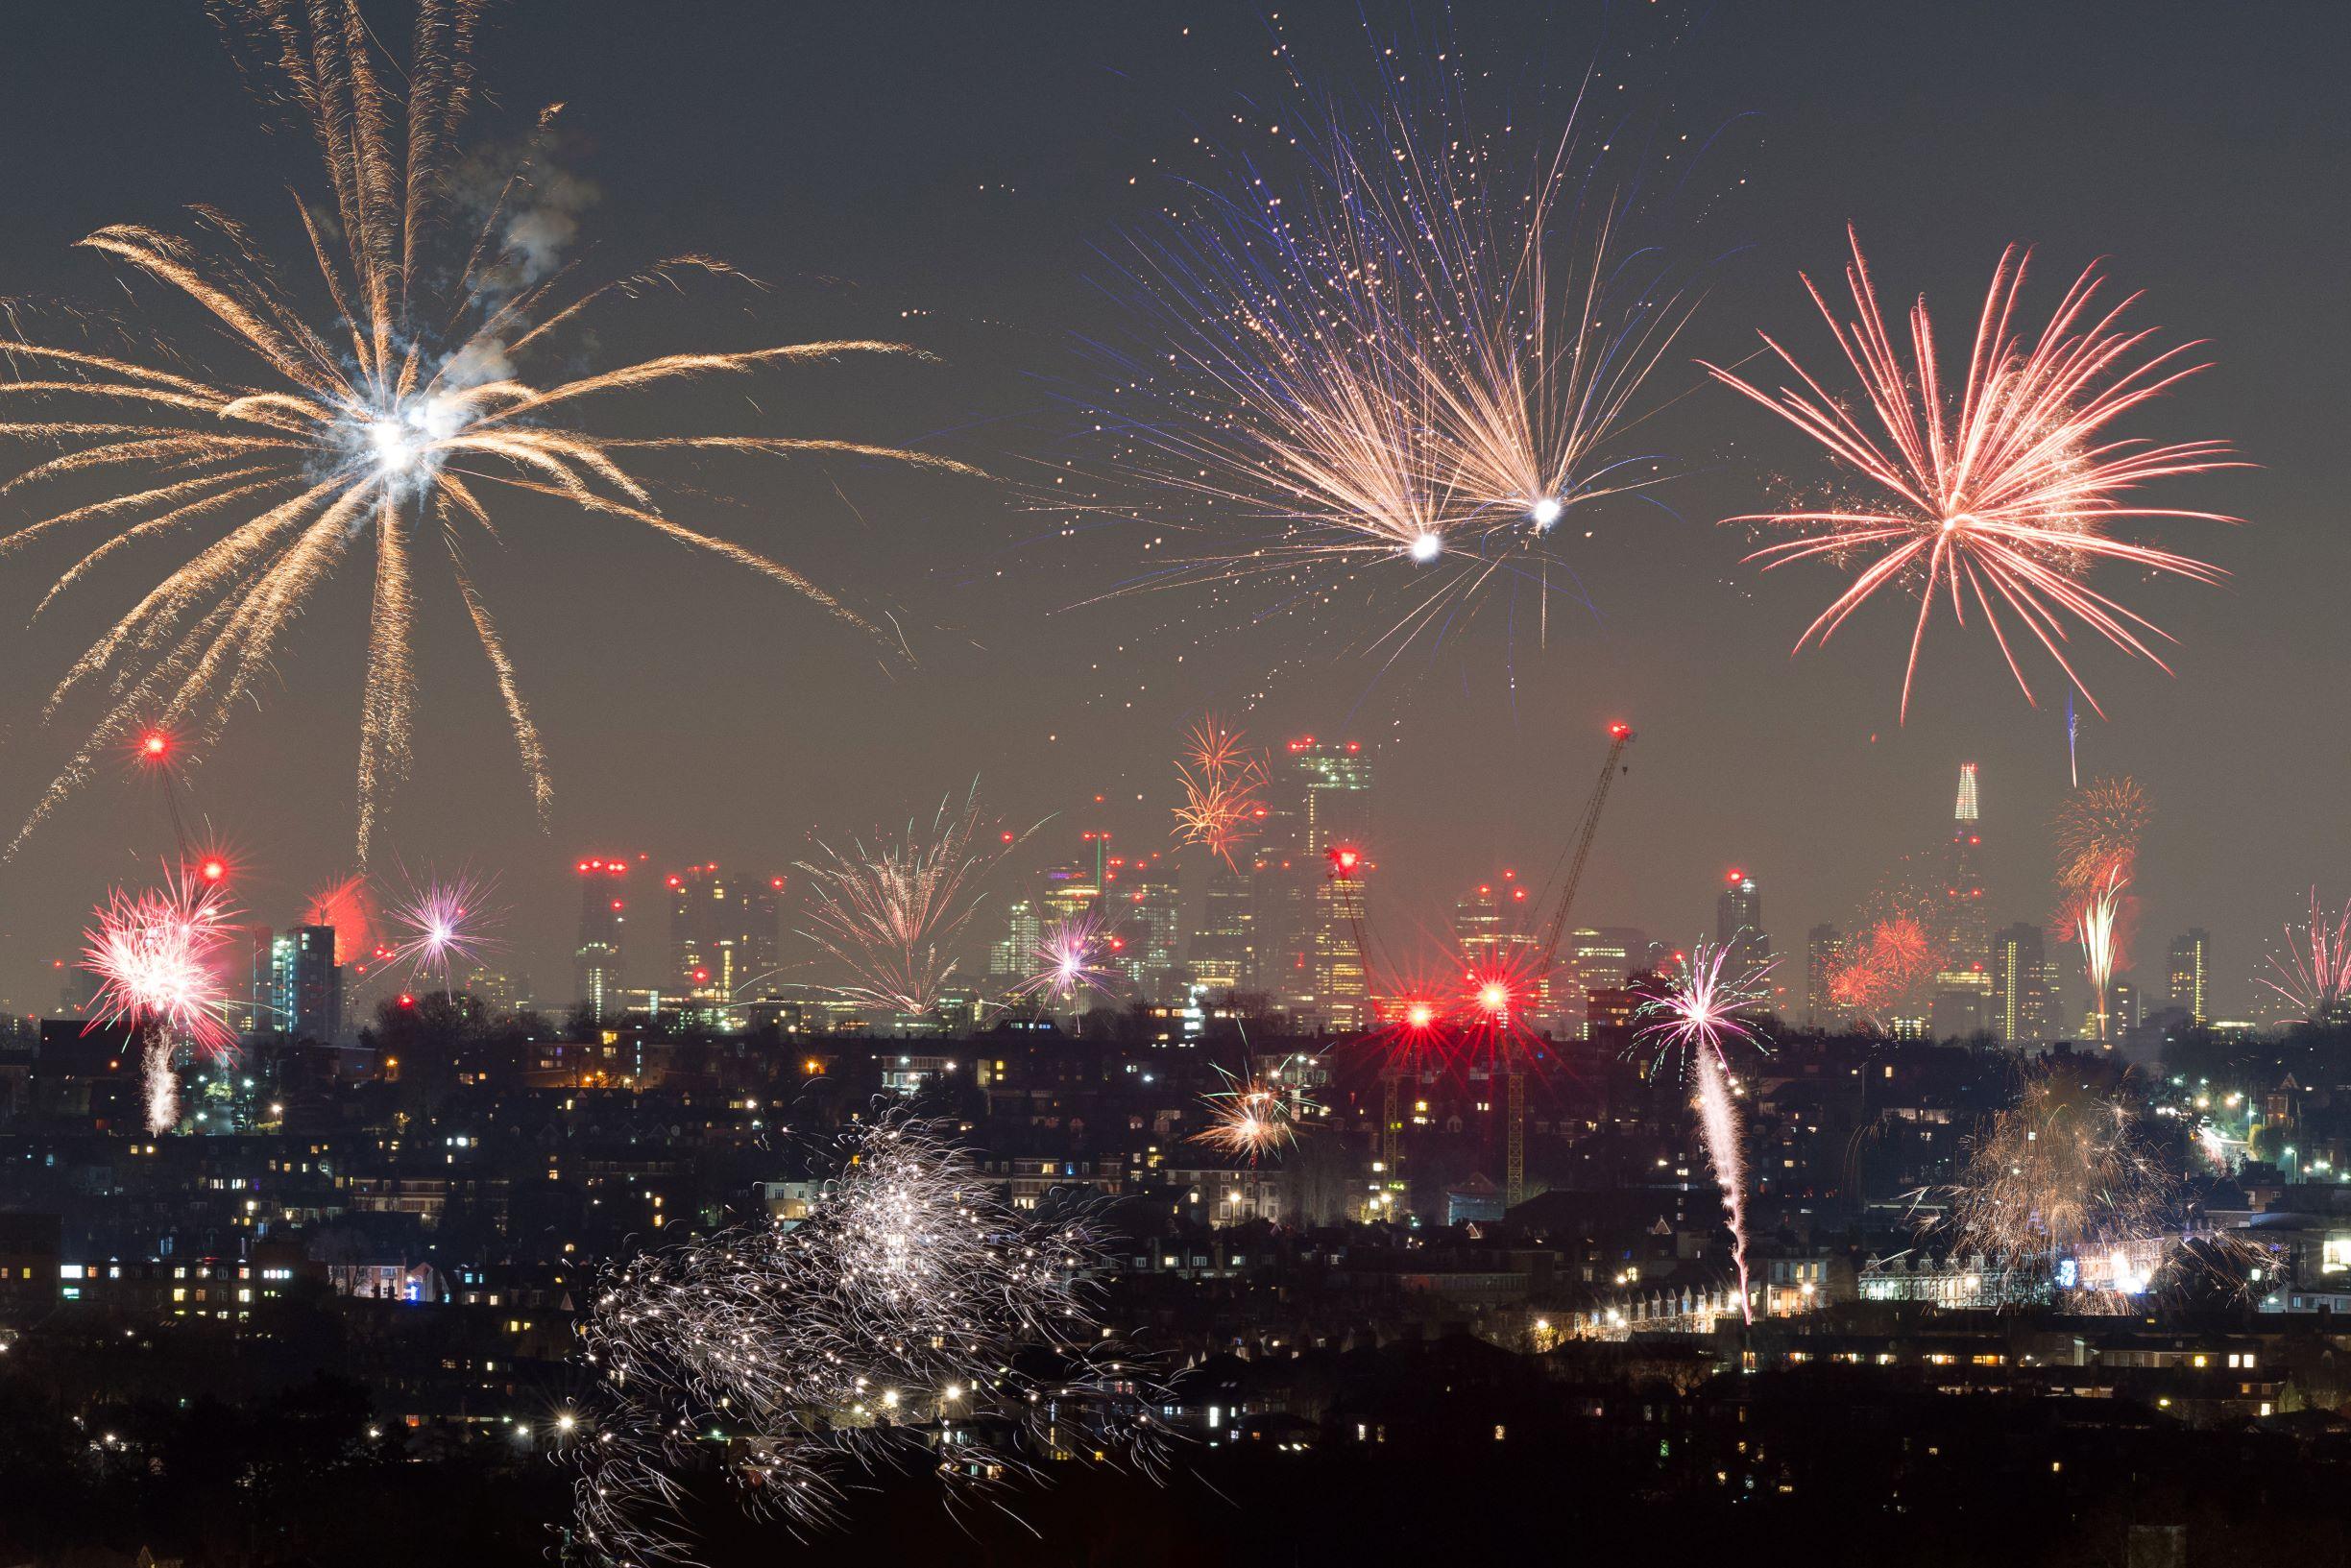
point(1143, 918)
point(2185, 974)
point(299, 991)
point(604, 917)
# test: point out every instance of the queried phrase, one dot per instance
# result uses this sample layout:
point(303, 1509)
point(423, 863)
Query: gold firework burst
point(403, 418)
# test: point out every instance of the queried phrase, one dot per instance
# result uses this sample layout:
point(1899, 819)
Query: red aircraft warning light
point(1620, 732)
point(1345, 858)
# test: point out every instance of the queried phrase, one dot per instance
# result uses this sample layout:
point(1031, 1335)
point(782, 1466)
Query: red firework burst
point(157, 957)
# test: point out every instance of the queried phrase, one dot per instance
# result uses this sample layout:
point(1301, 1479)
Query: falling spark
point(2062, 1174)
point(2006, 496)
point(2315, 975)
point(385, 413)
point(913, 1312)
point(1393, 370)
point(892, 913)
point(1700, 1016)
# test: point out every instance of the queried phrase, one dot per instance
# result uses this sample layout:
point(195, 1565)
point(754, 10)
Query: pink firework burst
point(2001, 490)
point(1070, 959)
point(441, 924)
point(158, 955)
point(2315, 975)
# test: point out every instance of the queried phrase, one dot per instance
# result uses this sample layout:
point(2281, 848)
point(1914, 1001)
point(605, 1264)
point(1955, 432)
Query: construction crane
point(1568, 874)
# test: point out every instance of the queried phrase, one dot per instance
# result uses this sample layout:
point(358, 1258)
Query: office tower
point(1738, 924)
point(603, 918)
point(1495, 930)
point(1143, 904)
point(302, 994)
point(1013, 956)
point(2190, 962)
point(2024, 986)
point(1219, 953)
point(725, 934)
point(1823, 957)
point(1303, 951)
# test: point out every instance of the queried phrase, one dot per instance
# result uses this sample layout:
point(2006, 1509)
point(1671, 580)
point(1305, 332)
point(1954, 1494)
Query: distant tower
point(724, 930)
point(1302, 944)
point(1967, 934)
point(304, 985)
point(603, 916)
point(1738, 922)
point(2190, 962)
point(1823, 956)
point(2024, 986)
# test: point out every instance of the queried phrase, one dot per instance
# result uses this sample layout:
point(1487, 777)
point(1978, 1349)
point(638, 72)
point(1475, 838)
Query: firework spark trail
point(2006, 493)
point(912, 1317)
point(158, 958)
point(1718, 1126)
point(1398, 365)
point(2063, 1174)
point(2098, 833)
point(426, 410)
point(1700, 1018)
point(1221, 782)
point(2315, 975)
point(893, 913)
point(441, 924)
point(1885, 965)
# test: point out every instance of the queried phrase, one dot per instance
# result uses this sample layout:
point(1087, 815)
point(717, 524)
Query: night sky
point(953, 174)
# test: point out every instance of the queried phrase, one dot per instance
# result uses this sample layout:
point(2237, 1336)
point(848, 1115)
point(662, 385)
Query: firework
point(1221, 784)
point(2315, 975)
point(892, 913)
point(1397, 368)
point(2006, 494)
point(441, 923)
point(2064, 1176)
point(348, 907)
point(1884, 966)
point(1700, 1016)
point(1252, 1116)
point(912, 1317)
point(1070, 957)
point(384, 409)
point(2098, 832)
point(158, 958)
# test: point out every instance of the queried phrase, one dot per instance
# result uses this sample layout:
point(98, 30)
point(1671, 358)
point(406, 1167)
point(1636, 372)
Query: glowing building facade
point(604, 917)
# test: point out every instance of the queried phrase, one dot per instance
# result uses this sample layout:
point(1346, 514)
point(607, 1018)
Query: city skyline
point(1697, 663)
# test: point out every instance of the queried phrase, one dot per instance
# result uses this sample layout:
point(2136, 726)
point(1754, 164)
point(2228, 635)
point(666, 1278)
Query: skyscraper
point(1823, 956)
point(2024, 986)
point(1966, 933)
point(725, 932)
point(604, 917)
point(1219, 951)
point(1738, 922)
point(2190, 962)
point(1318, 799)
